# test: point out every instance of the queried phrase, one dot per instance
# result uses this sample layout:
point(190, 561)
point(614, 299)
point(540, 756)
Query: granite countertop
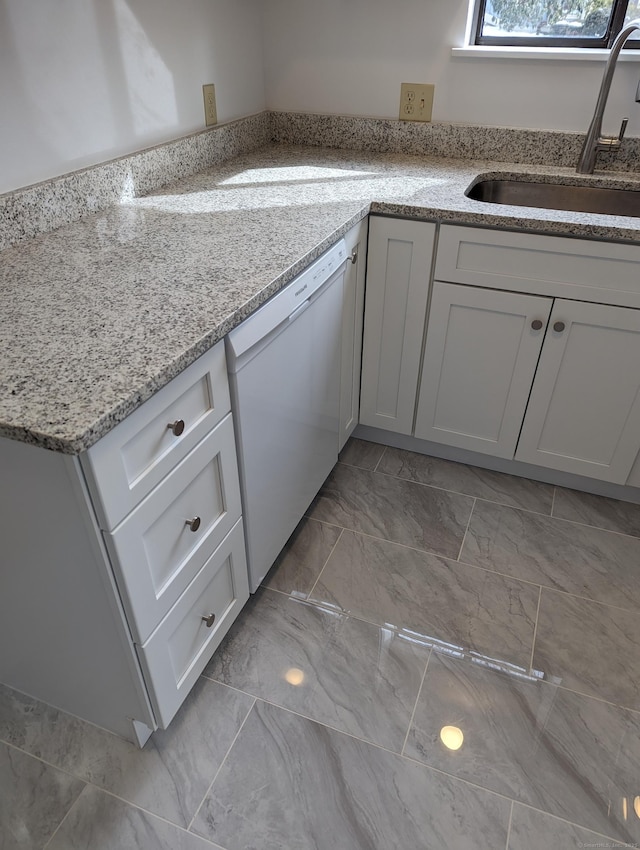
point(98, 315)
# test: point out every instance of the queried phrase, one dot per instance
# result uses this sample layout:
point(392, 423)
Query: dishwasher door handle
point(299, 310)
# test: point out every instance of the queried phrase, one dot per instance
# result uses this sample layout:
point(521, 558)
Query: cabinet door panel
point(584, 412)
point(479, 361)
point(398, 272)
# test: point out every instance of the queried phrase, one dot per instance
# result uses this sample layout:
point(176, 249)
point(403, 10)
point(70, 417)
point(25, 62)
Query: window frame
point(616, 24)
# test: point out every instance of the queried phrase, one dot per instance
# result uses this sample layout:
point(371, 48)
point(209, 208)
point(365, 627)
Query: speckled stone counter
point(98, 315)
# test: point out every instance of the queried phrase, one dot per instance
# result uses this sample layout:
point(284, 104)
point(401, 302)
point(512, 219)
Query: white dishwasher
point(284, 371)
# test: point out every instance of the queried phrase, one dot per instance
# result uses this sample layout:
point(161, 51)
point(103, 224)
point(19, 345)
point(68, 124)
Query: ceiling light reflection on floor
point(451, 737)
point(294, 676)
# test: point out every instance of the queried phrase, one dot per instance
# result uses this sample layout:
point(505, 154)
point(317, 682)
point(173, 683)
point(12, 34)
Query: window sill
point(580, 54)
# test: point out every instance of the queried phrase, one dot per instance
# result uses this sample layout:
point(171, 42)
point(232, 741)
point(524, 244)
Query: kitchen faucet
point(595, 141)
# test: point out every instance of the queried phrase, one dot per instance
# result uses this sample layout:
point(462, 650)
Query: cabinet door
point(352, 318)
point(584, 411)
point(480, 357)
point(398, 273)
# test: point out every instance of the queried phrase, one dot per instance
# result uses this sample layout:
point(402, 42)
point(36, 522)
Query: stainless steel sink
point(557, 196)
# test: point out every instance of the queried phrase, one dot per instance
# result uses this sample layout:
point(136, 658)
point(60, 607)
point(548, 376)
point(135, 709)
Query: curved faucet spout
point(595, 141)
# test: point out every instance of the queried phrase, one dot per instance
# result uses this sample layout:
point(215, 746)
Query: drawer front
point(155, 552)
point(576, 269)
point(128, 462)
point(179, 649)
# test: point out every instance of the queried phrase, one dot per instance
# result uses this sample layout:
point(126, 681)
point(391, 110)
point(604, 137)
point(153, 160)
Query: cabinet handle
point(354, 257)
point(176, 427)
point(558, 327)
point(194, 524)
point(210, 620)
point(536, 324)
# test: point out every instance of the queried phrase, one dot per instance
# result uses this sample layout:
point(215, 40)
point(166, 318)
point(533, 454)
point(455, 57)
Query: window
point(552, 23)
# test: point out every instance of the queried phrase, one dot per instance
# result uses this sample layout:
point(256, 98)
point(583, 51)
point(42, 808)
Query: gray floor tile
point(34, 798)
point(361, 453)
point(304, 555)
point(549, 748)
point(585, 561)
point(532, 830)
point(438, 598)
point(590, 648)
point(396, 510)
point(469, 480)
point(351, 675)
point(586, 508)
point(168, 777)
point(291, 783)
point(101, 822)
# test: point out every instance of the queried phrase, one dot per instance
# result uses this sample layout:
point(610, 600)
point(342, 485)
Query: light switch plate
point(416, 101)
point(210, 112)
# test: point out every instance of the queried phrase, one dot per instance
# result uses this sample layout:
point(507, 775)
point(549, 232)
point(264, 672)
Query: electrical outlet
point(210, 113)
point(416, 101)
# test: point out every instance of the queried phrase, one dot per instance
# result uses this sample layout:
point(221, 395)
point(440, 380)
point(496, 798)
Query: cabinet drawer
point(155, 553)
point(128, 462)
point(179, 649)
point(540, 265)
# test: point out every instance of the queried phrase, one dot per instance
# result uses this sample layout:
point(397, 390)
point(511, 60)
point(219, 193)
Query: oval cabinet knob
point(536, 324)
point(354, 257)
point(558, 327)
point(194, 524)
point(176, 427)
point(210, 620)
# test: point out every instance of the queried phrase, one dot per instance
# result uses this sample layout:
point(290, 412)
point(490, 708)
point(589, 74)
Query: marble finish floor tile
point(612, 514)
point(396, 510)
point(351, 675)
point(569, 755)
point(437, 598)
point(304, 555)
point(99, 821)
point(361, 453)
point(469, 480)
point(589, 562)
point(532, 830)
point(292, 783)
point(34, 798)
point(589, 648)
point(169, 777)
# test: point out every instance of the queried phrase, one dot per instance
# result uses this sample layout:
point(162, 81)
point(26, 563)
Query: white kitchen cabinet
point(481, 351)
point(584, 412)
point(398, 275)
point(114, 633)
point(531, 353)
point(352, 320)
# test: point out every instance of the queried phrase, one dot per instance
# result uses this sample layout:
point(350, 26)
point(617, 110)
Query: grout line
point(509, 825)
point(384, 451)
point(465, 495)
point(615, 842)
point(535, 628)
point(553, 502)
point(325, 563)
point(222, 763)
point(66, 815)
point(91, 784)
point(464, 536)
point(512, 506)
point(415, 705)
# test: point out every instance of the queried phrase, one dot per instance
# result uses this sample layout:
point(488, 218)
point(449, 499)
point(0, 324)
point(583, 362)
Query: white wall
point(350, 56)
point(82, 81)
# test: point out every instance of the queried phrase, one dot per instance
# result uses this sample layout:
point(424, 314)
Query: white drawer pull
point(194, 524)
point(210, 620)
point(176, 427)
